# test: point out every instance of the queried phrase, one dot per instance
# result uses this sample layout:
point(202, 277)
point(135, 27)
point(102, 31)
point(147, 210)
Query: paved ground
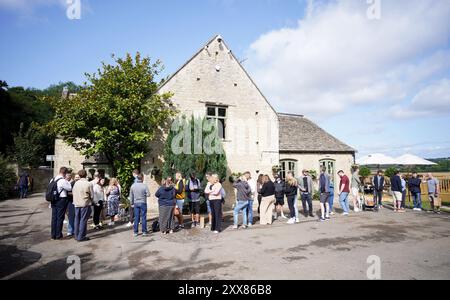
point(410, 246)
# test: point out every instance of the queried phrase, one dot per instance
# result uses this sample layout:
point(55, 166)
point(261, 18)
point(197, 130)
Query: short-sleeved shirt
point(346, 183)
point(432, 184)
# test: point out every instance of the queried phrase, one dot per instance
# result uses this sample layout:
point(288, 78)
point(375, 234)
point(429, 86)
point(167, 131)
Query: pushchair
point(367, 202)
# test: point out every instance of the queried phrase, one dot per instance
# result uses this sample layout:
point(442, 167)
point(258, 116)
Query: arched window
point(288, 165)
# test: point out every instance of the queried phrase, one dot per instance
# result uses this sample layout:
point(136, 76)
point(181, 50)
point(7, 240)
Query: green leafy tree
point(117, 113)
point(191, 159)
point(364, 172)
point(390, 172)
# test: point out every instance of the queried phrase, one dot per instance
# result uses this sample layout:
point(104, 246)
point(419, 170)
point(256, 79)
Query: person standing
point(166, 201)
point(59, 204)
point(252, 183)
point(402, 178)
point(23, 184)
point(331, 197)
point(259, 184)
point(324, 186)
point(82, 199)
point(135, 175)
point(279, 197)
point(433, 193)
point(267, 201)
point(193, 187)
point(396, 188)
point(70, 207)
point(98, 201)
point(290, 191)
point(356, 186)
point(208, 204)
point(243, 194)
point(139, 193)
point(306, 191)
point(344, 191)
point(214, 191)
point(415, 189)
point(113, 194)
point(378, 188)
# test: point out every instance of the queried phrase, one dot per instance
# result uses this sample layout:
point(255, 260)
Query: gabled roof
point(234, 57)
point(298, 134)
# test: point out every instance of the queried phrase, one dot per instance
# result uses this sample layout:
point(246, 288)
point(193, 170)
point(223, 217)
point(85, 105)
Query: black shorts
point(279, 201)
point(194, 207)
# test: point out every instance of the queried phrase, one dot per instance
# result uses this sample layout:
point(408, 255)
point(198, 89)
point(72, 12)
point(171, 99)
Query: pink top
point(214, 193)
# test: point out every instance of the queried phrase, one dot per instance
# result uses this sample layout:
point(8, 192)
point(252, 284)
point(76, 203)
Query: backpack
point(52, 191)
point(155, 226)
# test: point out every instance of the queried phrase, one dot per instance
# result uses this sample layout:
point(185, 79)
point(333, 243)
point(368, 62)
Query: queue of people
point(77, 198)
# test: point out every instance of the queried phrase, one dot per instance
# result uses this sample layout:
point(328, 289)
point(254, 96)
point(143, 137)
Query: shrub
point(7, 179)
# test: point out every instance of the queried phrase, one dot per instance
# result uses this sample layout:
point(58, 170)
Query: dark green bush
point(7, 179)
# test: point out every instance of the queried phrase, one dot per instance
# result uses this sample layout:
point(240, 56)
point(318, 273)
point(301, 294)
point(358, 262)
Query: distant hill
point(443, 165)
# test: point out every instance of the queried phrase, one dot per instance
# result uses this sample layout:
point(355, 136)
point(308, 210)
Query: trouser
point(296, 207)
point(165, 218)
point(331, 199)
point(23, 190)
point(81, 218)
point(404, 199)
point(97, 212)
point(417, 199)
point(291, 204)
point(250, 212)
point(216, 215)
point(434, 201)
point(58, 213)
point(307, 199)
point(343, 200)
point(266, 210)
point(240, 205)
point(71, 217)
point(140, 216)
point(378, 197)
point(259, 204)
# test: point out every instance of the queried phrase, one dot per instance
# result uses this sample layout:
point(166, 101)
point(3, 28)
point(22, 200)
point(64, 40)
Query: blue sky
point(380, 85)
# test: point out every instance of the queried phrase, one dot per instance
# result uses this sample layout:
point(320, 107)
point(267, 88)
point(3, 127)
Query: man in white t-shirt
point(252, 183)
point(59, 206)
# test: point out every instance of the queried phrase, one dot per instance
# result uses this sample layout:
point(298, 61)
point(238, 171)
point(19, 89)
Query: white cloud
point(27, 6)
point(337, 58)
point(433, 100)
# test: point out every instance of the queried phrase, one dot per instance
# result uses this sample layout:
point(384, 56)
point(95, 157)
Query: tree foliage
point(364, 172)
point(7, 179)
point(189, 161)
point(117, 113)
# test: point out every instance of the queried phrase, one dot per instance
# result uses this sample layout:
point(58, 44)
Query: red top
point(346, 183)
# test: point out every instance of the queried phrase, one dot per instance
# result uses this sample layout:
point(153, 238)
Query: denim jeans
point(417, 198)
point(240, 205)
point(307, 200)
point(296, 206)
point(331, 198)
point(343, 199)
point(250, 212)
point(23, 190)
point(291, 203)
point(71, 217)
point(140, 216)
point(208, 207)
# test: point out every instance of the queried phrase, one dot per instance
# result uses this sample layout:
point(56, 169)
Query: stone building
point(256, 138)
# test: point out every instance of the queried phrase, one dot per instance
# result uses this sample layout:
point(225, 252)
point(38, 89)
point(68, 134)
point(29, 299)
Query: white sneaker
point(356, 209)
point(65, 222)
point(345, 214)
point(216, 232)
point(332, 213)
point(235, 227)
point(297, 220)
point(129, 224)
point(111, 224)
point(291, 221)
point(283, 217)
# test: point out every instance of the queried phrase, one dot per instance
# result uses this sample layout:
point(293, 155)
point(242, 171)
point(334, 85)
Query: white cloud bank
point(337, 58)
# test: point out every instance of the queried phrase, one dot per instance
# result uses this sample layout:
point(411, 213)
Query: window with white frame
point(288, 166)
point(218, 114)
point(330, 165)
